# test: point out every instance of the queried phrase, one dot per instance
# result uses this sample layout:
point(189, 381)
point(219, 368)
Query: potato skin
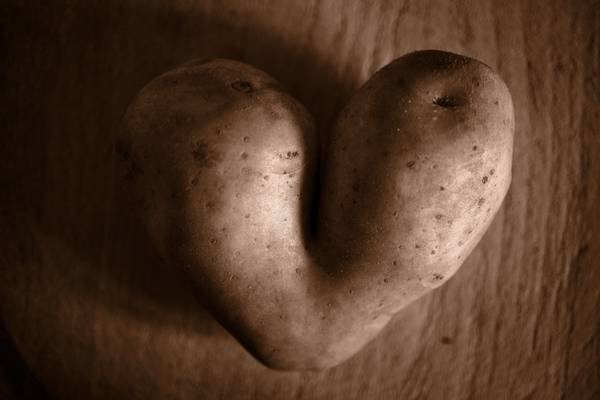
point(222, 162)
point(421, 158)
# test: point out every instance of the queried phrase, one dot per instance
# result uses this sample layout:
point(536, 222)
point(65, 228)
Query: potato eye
point(242, 86)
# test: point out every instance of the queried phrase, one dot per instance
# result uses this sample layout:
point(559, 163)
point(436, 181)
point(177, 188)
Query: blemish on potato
point(484, 179)
point(244, 156)
point(447, 101)
point(246, 139)
point(438, 216)
point(446, 340)
point(480, 202)
point(442, 188)
point(205, 156)
point(492, 171)
point(410, 164)
point(288, 155)
point(474, 148)
point(438, 277)
point(242, 86)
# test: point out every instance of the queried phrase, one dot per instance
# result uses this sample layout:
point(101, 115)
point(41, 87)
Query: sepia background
point(88, 311)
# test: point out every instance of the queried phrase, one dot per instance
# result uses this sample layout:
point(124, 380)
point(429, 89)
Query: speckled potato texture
point(303, 251)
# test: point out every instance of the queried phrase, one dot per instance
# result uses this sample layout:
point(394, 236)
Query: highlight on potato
point(303, 250)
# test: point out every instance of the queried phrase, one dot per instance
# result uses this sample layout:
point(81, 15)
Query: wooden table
point(94, 315)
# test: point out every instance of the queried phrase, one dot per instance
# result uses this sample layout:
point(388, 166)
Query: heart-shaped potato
point(224, 166)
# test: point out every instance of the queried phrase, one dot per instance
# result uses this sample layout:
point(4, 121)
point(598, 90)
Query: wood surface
point(94, 314)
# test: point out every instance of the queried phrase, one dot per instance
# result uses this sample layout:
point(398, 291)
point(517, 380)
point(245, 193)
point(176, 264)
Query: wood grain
point(95, 315)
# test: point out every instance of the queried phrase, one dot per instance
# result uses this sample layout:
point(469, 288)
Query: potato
point(222, 163)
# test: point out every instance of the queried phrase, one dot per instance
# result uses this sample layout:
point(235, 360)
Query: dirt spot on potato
point(438, 277)
point(204, 156)
point(446, 340)
point(447, 101)
point(484, 179)
point(289, 155)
